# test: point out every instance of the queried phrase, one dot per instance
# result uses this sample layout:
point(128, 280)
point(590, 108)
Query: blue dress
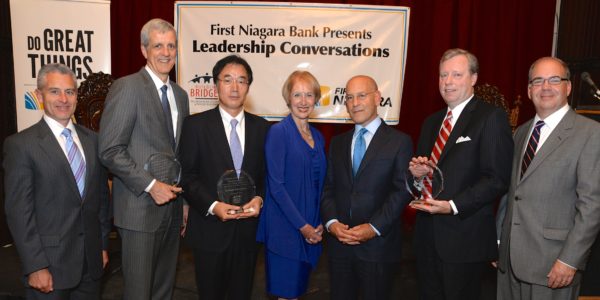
point(295, 176)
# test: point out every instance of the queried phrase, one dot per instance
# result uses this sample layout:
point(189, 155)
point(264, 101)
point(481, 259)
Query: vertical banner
point(334, 42)
point(74, 33)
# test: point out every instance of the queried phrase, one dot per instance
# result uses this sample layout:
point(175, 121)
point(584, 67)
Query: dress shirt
point(456, 111)
point(550, 122)
point(241, 131)
point(174, 113)
point(57, 130)
point(368, 136)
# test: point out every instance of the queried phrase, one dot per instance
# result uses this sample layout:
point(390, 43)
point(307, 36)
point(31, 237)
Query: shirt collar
point(371, 127)
point(552, 120)
point(57, 128)
point(459, 108)
point(227, 117)
point(157, 82)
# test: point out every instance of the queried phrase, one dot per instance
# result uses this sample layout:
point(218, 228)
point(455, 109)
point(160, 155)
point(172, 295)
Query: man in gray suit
point(142, 116)
point(553, 209)
point(57, 196)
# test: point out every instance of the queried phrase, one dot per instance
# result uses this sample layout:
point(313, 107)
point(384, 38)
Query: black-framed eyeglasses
point(228, 80)
point(359, 96)
point(554, 80)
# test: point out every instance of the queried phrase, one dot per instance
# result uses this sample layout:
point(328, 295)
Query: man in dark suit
point(142, 116)
point(221, 139)
point(57, 196)
point(470, 142)
point(363, 198)
point(553, 204)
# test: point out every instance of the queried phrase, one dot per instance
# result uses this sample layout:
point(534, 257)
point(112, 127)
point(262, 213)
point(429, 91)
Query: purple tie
point(75, 160)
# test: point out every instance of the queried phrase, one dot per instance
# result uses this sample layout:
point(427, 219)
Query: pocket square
point(463, 139)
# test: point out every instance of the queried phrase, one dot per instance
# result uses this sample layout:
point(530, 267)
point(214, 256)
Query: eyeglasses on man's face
point(554, 80)
point(228, 80)
point(359, 96)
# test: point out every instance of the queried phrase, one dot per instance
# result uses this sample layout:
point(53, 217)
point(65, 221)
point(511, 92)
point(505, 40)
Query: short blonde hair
point(300, 76)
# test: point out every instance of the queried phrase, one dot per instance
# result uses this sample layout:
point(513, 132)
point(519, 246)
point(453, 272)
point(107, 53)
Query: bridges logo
point(32, 102)
point(202, 90)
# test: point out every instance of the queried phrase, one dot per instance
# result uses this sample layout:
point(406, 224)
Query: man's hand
point(342, 233)
point(104, 258)
point(312, 235)
point(560, 276)
point(41, 280)
point(420, 166)
point(432, 206)
point(186, 212)
point(163, 193)
point(251, 209)
point(362, 232)
point(223, 211)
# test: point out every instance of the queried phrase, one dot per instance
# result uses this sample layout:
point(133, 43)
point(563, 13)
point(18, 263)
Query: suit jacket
point(133, 127)
point(376, 195)
point(52, 225)
point(554, 209)
point(205, 156)
point(476, 174)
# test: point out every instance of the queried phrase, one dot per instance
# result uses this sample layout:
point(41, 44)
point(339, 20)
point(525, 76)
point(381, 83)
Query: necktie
point(531, 146)
point(164, 100)
point(359, 150)
point(75, 160)
point(438, 147)
point(236, 147)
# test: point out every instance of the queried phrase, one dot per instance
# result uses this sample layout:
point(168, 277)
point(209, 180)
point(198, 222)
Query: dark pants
point(352, 277)
point(225, 275)
point(439, 280)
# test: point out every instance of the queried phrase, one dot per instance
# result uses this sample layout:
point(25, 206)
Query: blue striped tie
point(75, 160)
point(531, 146)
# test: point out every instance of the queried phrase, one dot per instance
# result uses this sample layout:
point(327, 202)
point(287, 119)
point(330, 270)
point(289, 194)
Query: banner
point(74, 33)
point(334, 42)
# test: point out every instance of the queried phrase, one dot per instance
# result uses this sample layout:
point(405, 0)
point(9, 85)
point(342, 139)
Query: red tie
point(440, 142)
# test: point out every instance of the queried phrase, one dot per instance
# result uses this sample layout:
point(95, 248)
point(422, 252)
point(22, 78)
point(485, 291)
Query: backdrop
point(505, 35)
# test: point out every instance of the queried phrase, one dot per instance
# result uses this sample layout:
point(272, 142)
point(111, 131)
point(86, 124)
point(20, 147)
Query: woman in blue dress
point(290, 224)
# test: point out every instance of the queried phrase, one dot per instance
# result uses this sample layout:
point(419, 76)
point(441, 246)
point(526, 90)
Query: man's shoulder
point(257, 120)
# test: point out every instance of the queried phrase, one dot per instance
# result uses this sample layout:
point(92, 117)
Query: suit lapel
point(558, 136)
point(217, 133)
point(346, 144)
point(50, 146)
point(459, 127)
point(378, 141)
point(154, 101)
point(182, 112)
point(521, 139)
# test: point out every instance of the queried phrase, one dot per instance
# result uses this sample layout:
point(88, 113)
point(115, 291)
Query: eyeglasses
point(228, 80)
point(306, 95)
point(554, 80)
point(359, 96)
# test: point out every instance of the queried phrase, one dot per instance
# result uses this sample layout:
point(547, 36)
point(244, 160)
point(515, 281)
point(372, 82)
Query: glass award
point(427, 187)
point(236, 189)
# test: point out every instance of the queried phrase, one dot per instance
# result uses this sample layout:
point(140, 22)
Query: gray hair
point(473, 63)
point(53, 68)
point(159, 25)
point(556, 59)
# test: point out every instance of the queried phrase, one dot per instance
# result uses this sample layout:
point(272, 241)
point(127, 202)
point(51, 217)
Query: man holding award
point(363, 198)
point(141, 123)
point(222, 155)
point(467, 148)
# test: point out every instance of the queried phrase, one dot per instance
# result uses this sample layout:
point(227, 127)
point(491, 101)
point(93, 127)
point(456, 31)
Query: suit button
point(517, 198)
point(516, 223)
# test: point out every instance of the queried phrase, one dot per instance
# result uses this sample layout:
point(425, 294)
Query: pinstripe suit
point(52, 225)
point(133, 127)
